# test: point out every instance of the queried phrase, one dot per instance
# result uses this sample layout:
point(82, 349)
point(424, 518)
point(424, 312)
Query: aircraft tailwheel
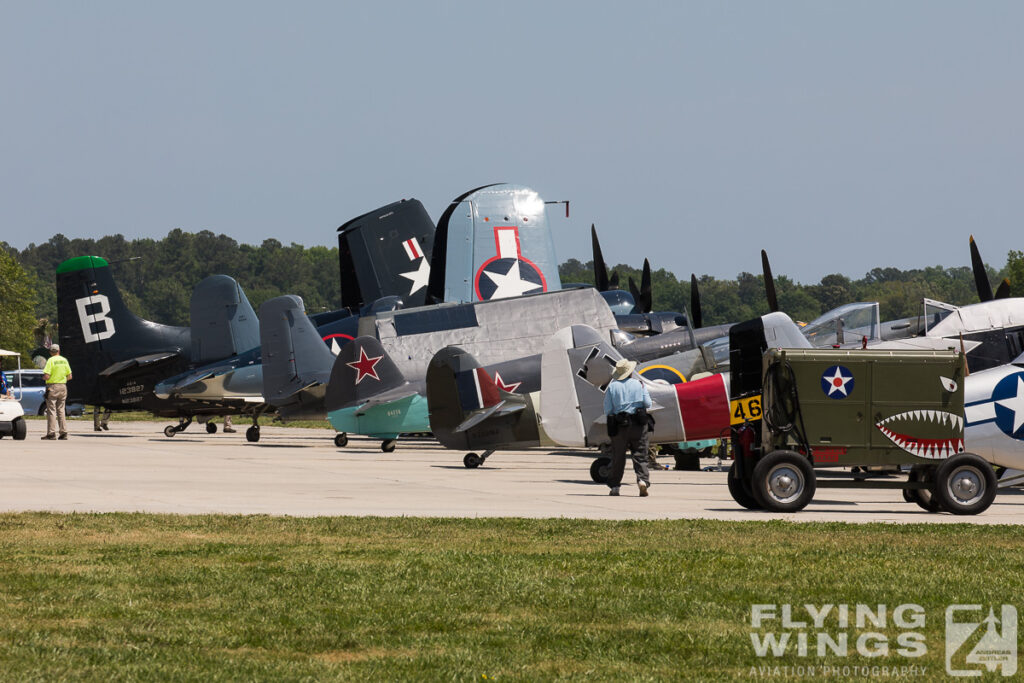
point(170, 430)
point(388, 445)
point(472, 461)
point(252, 434)
point(341, 440)
point(211, 427)
point(599, 469)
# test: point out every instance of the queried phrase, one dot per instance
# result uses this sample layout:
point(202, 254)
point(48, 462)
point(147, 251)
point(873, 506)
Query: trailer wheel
point(740, 490)
point(783, 481)
point(923, 498)
point(964, 485)
point(599, 469)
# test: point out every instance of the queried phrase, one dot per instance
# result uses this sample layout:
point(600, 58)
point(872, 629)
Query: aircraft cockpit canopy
point(846, 325)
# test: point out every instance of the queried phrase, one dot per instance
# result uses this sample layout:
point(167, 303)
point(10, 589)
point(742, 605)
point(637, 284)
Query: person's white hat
point(623, 369)
point(54, 348)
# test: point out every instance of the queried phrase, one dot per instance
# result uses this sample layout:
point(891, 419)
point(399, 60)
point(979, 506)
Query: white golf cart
point(12, 421)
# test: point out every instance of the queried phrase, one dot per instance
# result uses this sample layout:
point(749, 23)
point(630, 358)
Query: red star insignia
point(505, 387)
point(365, 366)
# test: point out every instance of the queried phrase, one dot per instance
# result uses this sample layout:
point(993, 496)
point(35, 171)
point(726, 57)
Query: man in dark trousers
point(625, 404)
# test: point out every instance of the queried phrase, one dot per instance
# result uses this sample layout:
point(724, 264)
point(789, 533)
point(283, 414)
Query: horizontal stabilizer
point(499, 408)
point(141, 361)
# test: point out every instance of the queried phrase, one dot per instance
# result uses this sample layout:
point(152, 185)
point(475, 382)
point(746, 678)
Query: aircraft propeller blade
point(613, 281)
point(769, 283)
point(1003, 291)
point(600, 270)
point(695, 313)
point(646, 302)
point(980, 276)
point(635, 292)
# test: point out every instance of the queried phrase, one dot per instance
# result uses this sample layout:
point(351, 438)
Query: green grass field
point(144, 597)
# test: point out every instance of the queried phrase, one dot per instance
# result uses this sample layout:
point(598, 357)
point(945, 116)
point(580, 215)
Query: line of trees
point(156, 278)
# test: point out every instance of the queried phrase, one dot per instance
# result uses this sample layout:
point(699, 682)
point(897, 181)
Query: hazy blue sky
point(839, 136)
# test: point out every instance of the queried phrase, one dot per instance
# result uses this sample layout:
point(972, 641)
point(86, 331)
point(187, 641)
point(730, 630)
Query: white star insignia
point(511, 283)
point(1016, 405)
point(419, 277)
point(838, 383)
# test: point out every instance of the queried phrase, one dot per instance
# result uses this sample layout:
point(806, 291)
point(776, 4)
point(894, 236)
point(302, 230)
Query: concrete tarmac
point(299, 472)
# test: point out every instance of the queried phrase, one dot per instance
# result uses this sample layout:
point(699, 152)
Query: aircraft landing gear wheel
point(341, 440)
point(252, 434)
point(964, 485)
point(740, 490)
point(170, 431)
point(388, 445)
point(599, 469)
point(20, 429)
point(472, 461)
point(783, 481)
point(211, 427)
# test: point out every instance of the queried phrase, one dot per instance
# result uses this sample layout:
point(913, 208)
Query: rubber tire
point(211, 427)
point(740, 491)
point(599, 469)
point(922, 498)
point(252, 434)
point(472, 461)
point(341, 439)
point(759, 483)
point(946, 474)
point(388, 445)
point(20, 429)
point(42, 409)
point(170, 431)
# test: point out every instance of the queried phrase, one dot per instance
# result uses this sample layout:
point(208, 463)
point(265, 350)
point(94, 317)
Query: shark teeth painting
point(932, 434)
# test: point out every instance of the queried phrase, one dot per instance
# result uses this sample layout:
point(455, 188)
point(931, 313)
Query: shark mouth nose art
point(932, 434)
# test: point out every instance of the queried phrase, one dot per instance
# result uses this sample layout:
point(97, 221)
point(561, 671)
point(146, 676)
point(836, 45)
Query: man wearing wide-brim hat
point(626, 402)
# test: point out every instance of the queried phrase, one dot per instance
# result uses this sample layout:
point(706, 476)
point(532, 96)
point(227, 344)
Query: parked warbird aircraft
point(120, 358)
point(214, 366)
point(499, 330)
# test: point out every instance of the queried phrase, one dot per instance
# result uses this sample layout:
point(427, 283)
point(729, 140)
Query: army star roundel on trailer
point(837, 382)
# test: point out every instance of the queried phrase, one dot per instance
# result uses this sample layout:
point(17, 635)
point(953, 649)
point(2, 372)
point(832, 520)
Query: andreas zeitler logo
point(977, 639)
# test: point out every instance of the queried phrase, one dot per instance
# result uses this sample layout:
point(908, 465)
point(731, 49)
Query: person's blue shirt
point(626, 396)
point(4, 386)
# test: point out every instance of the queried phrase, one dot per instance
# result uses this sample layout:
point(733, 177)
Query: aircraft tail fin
point(362, 373)
point(222, 320)
point(296, 362)
point(98, 330)
point(462, 396)
point(493, 242)
point(385, 253)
